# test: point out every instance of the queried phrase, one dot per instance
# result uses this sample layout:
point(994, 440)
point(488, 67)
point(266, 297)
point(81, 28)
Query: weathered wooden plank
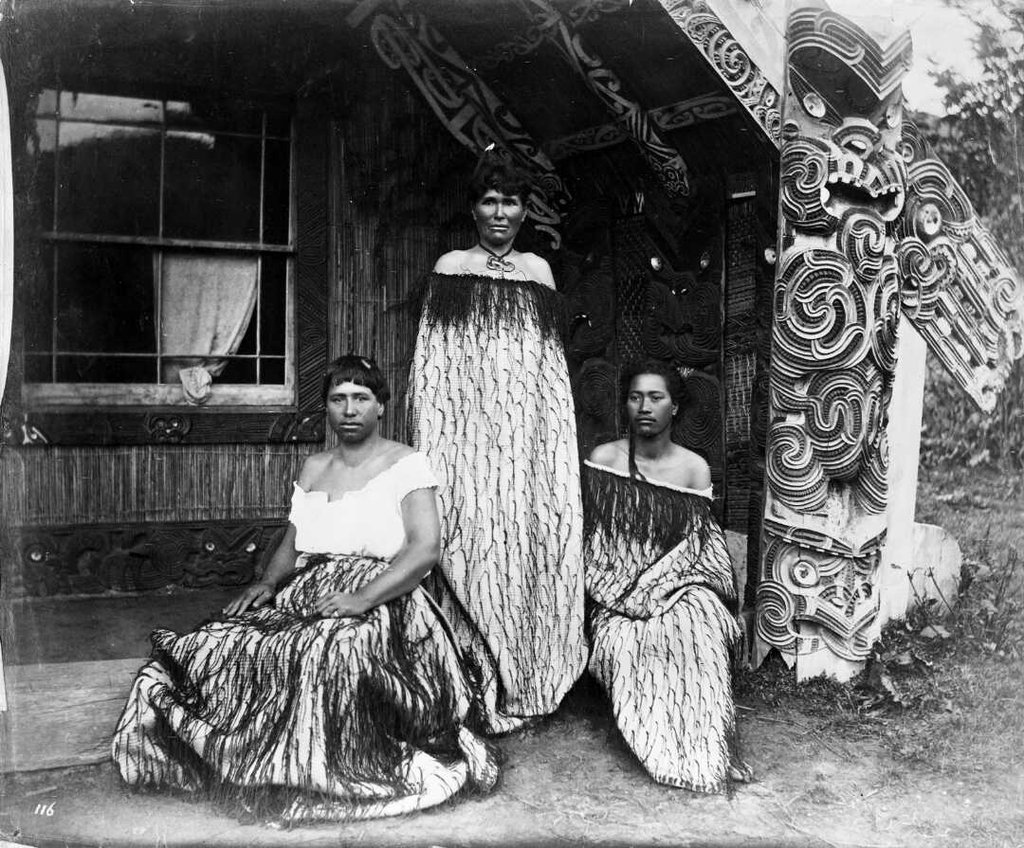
point(62, 714)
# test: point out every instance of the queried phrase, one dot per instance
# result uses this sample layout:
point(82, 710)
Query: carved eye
point(928, 220)
point(770, 255)
point(250, 547)
point(655, 263)
point(893, 115)
point(36, 554)
point(209, 547)
point(814, 105)
point(804, 574)
point(705, 260)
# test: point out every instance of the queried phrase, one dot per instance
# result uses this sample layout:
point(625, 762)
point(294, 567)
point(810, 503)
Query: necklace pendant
point(499, 263)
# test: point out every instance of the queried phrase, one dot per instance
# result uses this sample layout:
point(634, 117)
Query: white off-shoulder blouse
point(364, 522)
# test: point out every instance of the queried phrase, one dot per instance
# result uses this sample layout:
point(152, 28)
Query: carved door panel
point(632, 296)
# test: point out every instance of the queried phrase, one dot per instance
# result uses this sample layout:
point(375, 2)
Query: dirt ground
point(572, 781)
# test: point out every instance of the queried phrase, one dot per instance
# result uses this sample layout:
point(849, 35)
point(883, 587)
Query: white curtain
point(206, 304)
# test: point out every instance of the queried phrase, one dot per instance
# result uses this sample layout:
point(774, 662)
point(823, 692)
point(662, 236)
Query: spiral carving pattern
point(836, 311)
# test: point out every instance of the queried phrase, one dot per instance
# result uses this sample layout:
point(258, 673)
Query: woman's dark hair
point(360, 370)
point(500, 176)
point(673, 381)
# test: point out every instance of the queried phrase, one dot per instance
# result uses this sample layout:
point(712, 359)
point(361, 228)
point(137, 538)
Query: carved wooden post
point(836, 311)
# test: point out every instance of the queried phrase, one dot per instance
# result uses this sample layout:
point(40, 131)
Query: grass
point(945, 688)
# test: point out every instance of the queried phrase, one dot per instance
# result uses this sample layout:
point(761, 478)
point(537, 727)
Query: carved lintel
point(674, 116)
point(103, 558)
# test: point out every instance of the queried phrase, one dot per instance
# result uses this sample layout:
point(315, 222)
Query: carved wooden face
point(832, 591)
point(842, 134)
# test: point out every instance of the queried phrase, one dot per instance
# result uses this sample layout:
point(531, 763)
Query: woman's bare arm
point(281, 564)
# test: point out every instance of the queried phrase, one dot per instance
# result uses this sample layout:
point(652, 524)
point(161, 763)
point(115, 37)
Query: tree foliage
point(981, 140)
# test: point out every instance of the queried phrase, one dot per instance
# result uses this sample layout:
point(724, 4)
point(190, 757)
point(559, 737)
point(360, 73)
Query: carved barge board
point(959, 289)
point(464, 103)
point(713, 40)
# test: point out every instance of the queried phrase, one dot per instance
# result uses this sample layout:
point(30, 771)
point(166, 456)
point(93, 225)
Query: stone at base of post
point(935, 573)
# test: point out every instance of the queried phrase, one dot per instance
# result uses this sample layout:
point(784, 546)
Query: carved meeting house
point(203, 208)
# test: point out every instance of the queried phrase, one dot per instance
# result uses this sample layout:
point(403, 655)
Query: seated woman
point(661, 587)
point(331, 688)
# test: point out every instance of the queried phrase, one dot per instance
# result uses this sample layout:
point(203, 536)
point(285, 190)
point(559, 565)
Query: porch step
point(62, 714)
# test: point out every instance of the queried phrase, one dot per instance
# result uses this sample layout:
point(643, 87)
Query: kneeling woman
point(331, 688)
point(661, 587)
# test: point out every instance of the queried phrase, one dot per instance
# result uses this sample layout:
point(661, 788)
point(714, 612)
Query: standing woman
point(490, 403)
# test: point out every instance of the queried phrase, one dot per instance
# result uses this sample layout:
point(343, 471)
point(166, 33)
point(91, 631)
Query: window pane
point(239, 371)
point(46, 103)
point(103, 107)
point(273, 285)
point(211, 115)
point(279, 124)
point(37, 368)
point(276, 188)
point(109, 180)
point(212, 187)
point(105, 300)
point(248, 345)
point(39, 305)
point(272, 372)
point(105, 369)
point(42, 149)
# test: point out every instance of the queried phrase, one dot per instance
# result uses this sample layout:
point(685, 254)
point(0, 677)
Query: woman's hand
point(341, 605)
point(253, 596)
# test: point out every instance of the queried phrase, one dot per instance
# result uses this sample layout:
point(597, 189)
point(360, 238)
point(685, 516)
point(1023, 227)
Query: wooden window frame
point(29, 420)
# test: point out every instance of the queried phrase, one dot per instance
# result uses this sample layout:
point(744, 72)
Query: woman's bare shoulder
point(538, 269)
point(313, 466)
point(689, 469)
point(452, 262)
point(614, 455)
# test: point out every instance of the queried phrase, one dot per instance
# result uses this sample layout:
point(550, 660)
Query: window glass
point(277, 186)
point(273, 291)
point(108, 180)
point(103, 107)
point(105, 369)
point(106, 299)
point(212, 190)
point(214, 115)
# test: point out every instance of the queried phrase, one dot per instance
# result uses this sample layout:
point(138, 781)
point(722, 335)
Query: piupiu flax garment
point(491, 405)
point(314, 718)
point(661, 587)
